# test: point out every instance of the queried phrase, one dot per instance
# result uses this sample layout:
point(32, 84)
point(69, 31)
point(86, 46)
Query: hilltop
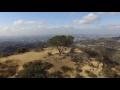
point(85, 67)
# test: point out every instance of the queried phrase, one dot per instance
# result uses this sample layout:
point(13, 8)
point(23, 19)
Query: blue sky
point(44, 23)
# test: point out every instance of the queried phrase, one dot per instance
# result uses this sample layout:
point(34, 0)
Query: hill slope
point(86, 68)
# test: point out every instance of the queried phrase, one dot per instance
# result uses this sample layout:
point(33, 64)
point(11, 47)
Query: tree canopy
point(60, 42)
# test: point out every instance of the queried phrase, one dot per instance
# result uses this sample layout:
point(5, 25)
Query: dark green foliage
point(90, 52)
point(78, 69)
point(79, 76)
point(37, 50)
point(12, 70)
point(8, 61)
point(49, 53)
point(108, 72)
point(91, 74)
point(60, 42)
point(4, 55)
point(77, 58)
point(35, 69)
point(22, 50)
point(117, 67)
point(56, 74)
point(3, 66)
point(90, 64)
point(72, 49)
point(7, 71)
point(66, 68)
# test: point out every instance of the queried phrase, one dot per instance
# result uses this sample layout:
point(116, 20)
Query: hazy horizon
point(58, 23)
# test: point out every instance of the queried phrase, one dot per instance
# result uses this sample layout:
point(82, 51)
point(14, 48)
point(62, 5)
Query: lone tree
point(60, 42)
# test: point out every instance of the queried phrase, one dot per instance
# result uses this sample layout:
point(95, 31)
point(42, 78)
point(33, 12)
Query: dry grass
point(55, 59)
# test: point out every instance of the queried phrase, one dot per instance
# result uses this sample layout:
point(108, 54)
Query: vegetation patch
point(79, 76)
point(77, 58)
point(66, 68)
point(7, 70)
point(8, 61)
point(91, 74)
point(49, 54)
point(109, 73)
point(35, 69)
point(90, 52)
point(22, 50)
point(78, 69)
point(4, 55)
point(56, 74)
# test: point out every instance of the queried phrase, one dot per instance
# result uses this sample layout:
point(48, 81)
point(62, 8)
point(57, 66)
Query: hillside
point(86, 67)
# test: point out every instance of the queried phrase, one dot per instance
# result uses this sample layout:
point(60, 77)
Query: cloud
point(65, 30)
point(21, 22)
point(101, 12)
point(113, 13)
point(110, 13)
point(70, 14)
point(90, 18)
point(110, 26)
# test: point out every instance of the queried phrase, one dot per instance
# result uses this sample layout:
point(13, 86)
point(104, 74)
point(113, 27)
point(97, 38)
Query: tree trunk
point(60, 49)
point(60, 52)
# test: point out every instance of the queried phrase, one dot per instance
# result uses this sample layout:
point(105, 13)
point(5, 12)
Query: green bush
point(118, 67)
point(108, 72)
point(56, 74)
point(78, 69)
point(90, 52)
point(79, 76)
point(4, 55)
point(66, 68)
point(11, 70)
point(72, 49)
point(7, 71)
point(8, 61)
point(22, 50)
point(49, 53)
point(35, 69)
point(77, 58)
point(3, 66)
point(36, 50)
point(90, 64)
point(91, 74)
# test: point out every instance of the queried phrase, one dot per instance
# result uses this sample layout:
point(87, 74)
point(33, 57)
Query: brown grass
point(55, 59)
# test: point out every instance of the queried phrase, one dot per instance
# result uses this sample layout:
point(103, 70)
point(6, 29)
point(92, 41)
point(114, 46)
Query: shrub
point(108, 72)
point(91, 74)
point(72, 49)
point(66, 68)
point(3, 66)
point(79, 76)
point(56, 74)
point(35, 69)
point(11, 70)
point(78, 69)
point(90, 52)
point(4, 55)
point(8, 61)
point(49, 53)
point(22, 50)
point(36, 50)
point(118, 67)
point(90, 64)
point(77, 58)
point(42, 48)
point(7, 71)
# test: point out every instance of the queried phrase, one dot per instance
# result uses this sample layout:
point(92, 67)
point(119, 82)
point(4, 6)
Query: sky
point(58, 23)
